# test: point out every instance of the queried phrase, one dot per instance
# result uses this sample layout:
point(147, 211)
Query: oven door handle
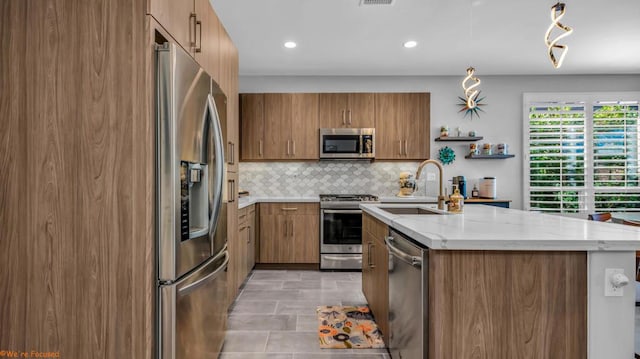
point(354, 211)
point(343, 257)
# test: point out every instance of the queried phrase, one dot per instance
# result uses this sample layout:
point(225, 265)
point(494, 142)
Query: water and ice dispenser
point(194, 196)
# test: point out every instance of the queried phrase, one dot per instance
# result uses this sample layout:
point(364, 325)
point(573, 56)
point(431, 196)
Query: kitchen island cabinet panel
point(507, 304)
point(375, 271)
point(289, 233)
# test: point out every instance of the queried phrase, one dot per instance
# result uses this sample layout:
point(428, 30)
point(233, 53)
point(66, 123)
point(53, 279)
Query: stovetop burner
point(348, 198)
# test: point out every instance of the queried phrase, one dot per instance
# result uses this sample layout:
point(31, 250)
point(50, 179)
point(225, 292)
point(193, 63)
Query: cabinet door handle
point(372, 264)
point(289, 208)
point(349, 117)
point(199, 47)
point(293, 147)
point(285, 227)
point(291, 231)
point(192, 29)
point(260, 148)
point(405, 147)
point(400, 147)
point(344, 121)
point(249, 236)
point(230, 150)
point(232, 189)
point(288, 148)
point(233, 153)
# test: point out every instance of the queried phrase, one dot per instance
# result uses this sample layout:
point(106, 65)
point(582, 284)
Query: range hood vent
point(376, 2)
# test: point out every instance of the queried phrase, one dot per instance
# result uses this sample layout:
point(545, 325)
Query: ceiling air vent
point(376, 2)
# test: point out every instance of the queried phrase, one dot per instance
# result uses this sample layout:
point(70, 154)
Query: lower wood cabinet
point(289, 233)
point(489, 304)
point(375, 271)
point(241, 250)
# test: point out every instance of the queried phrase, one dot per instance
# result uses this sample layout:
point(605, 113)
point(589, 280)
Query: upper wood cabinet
point(279, 126)
point(178, 18)
point(228, 81)
point(207, 52)
point(375, 270)
point(346, 110)
point(252, 126)
point(402, 126)
point(195, 26)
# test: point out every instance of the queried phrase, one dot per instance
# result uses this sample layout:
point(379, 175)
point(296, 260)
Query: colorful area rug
point(347, 328)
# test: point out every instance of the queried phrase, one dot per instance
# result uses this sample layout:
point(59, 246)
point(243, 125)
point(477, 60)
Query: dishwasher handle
point(413, 260)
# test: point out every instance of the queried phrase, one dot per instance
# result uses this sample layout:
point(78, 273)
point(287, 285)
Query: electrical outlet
point(613, 276)
point(431, 176)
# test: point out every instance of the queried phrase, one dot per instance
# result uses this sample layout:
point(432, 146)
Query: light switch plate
point(609, 289)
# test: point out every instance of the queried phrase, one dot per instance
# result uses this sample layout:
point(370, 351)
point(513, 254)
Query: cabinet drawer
point(286, 208)
point(377, 229)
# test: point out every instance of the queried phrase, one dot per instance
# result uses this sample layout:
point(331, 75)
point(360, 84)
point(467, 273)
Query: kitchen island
point(506, 283)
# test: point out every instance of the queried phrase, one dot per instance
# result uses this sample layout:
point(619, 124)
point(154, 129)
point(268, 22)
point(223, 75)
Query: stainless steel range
point(341, 230)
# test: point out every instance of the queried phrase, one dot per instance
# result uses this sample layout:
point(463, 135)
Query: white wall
point(501, 122)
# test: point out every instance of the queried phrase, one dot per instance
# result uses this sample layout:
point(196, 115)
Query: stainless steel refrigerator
point(191, 209)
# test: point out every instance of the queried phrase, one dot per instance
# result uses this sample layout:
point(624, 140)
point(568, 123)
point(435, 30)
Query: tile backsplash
point(303, 179)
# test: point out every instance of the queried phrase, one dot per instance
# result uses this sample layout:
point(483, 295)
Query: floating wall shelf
point(492, 157)
point(459, 139)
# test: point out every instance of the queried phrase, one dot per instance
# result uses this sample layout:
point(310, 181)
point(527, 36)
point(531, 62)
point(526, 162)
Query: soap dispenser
point(456, 201)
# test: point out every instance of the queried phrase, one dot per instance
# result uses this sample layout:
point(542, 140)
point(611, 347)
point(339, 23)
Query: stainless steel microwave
point(347, 143)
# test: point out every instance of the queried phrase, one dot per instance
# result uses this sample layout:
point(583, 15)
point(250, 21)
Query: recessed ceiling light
point(290, 44)
point(410, 44)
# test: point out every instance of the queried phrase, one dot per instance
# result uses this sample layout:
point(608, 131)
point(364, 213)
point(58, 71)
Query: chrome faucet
point(440, 170)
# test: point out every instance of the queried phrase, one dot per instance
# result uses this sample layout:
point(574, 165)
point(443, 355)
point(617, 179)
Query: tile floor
point(274, 316)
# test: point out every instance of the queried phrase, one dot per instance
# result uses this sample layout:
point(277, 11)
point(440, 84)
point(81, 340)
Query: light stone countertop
point(416, 199)
point(249, 200)
point(483, 227)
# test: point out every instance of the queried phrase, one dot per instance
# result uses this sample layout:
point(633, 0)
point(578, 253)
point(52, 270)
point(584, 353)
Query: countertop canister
point(488, 187)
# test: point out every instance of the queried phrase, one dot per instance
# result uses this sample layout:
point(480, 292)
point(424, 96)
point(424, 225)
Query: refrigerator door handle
point(219, 165)
point(193, 286)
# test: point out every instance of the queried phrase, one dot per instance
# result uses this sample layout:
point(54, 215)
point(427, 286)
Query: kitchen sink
point(412, 210)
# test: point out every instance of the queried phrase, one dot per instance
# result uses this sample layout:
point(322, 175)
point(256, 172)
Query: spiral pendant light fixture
point(470, 89)
point(557, 13)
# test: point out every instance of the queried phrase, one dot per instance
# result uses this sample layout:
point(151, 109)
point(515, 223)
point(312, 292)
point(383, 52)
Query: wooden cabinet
point(194, 25)
point(346, 110)
point(207, 51)
point(289, 233)
point(507, 304)
point(233, 238)
point(251, 238)
point(402, 126)
point(228, 82)
point(252, 126)
point(83, 245)
point(375, 271)
point(241, 250)
point(178, 18)
point(280, 126)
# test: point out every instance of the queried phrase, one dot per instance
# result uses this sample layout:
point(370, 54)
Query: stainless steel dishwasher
point(408, 297)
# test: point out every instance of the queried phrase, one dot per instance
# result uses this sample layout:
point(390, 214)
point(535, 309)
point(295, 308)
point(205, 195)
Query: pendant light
point(557, 13)
point(471, 82)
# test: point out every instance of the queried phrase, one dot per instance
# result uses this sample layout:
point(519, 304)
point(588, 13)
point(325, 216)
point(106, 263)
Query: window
point(582, 152)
